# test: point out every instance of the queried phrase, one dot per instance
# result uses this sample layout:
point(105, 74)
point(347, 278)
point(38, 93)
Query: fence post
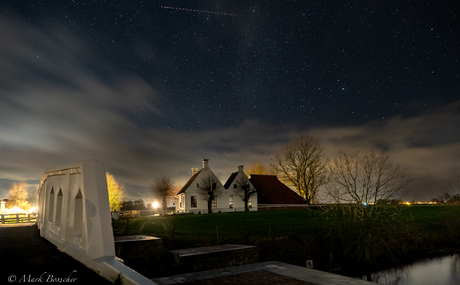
point(17, 218)
point(3, 219)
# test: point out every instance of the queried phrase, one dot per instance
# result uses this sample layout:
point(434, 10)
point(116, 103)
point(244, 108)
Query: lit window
point(230, 201)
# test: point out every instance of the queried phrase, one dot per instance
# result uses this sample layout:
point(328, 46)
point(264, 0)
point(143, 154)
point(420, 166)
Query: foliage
point(362, 233)
point(18, 195)
point(244, 190)
point(118, 280)
point(208, 190)
point(365, 177)
point(301, 165)
point(259, 168)
point(162, 188)
point(116, 193)
point(133, 205)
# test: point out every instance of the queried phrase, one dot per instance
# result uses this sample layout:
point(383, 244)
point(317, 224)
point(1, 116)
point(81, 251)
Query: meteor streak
point(199, 11)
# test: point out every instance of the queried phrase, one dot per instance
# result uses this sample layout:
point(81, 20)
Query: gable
point(230, 180)
point(190, 181)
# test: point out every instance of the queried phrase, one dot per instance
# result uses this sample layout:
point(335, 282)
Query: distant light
point(16, 210)
point(408, 203)
point(32, 210)
point(155, 204)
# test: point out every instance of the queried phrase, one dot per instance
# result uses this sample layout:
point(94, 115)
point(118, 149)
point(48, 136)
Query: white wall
point(222, 200)
point(238, 202)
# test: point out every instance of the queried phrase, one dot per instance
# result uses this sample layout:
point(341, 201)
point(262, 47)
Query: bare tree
point(209, 190)
point(365, 177)
point(244, 190)
point(259, 168)
point(301, 165)
point(451, 193)
point(163, 188)
point(357, 178)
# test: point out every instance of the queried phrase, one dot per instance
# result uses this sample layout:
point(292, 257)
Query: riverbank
point(342, 245)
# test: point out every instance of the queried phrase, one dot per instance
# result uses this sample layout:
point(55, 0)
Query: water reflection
point(440, 271)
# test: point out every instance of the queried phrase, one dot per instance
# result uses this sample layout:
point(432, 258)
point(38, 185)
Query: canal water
point(439, 271)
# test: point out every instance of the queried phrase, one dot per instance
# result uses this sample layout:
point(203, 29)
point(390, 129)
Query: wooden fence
point(17, 218)
point(137, 213)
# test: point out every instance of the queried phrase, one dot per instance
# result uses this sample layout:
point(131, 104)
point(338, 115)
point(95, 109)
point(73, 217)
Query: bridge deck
point(25, 257)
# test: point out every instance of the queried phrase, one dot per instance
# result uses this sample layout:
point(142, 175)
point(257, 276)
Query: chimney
point(205, 163)
point(194, 170)
point(240, 168)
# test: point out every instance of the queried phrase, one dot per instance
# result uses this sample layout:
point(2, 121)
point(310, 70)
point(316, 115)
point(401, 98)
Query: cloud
point(56, 108)
point(427, 145)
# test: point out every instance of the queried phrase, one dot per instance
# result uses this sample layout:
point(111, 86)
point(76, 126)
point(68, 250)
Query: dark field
point(334, 242)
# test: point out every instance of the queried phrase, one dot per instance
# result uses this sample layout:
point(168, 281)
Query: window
point(51, 207)
point(250, 202)
point(230, 201)
point(78, 216)
point(213, 186)
point(59, 208)
point(235, 186)
point(214, 203)
point(193, 202)
point(198, 185)
point(181, 201)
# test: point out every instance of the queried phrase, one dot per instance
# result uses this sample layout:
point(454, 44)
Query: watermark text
point(45, 277)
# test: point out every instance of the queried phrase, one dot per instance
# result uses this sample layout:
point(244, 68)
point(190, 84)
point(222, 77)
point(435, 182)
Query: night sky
point(150, 90)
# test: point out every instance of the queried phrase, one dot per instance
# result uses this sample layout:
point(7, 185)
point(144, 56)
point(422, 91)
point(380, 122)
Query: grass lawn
point(227, 227)
point(296, 235)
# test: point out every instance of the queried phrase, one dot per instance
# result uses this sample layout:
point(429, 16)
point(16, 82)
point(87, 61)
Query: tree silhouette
point(244, 190)
point(301, 165)
point(208, 190)
point(162, 188)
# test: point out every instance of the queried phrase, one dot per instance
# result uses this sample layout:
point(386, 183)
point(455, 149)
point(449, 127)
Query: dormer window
point(198, 185)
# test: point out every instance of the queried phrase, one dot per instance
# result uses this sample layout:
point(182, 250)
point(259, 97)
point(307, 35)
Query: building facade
point(192, 199)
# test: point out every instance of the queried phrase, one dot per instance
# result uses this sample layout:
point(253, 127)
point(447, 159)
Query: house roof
point(189, 182)
point(272, 191)
point(230, 179)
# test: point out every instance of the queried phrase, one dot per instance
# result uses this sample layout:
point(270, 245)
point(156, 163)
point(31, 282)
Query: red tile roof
point(272, 191)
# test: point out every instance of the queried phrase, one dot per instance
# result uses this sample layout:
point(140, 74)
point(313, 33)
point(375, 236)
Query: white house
point(235, 192)
point(190, 200)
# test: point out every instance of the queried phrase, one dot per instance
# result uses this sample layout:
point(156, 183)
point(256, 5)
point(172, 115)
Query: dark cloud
point(426, 145)
point(150, 91)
